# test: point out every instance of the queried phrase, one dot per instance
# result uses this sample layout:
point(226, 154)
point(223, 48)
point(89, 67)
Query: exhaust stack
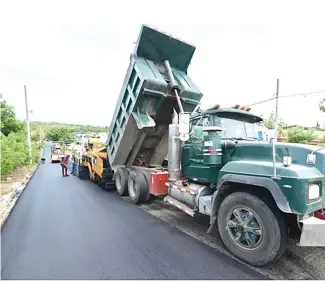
point(174, 150)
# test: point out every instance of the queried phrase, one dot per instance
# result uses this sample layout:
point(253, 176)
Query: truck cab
point(228, 174)
point(235, 125)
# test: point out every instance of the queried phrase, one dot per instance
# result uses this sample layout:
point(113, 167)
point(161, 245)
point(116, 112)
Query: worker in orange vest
point(64, 165)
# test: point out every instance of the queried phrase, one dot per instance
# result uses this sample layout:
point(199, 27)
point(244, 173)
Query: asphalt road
point(65, 228)
point(47, 152)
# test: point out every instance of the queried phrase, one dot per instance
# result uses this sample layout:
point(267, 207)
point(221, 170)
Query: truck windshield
point(234, 128)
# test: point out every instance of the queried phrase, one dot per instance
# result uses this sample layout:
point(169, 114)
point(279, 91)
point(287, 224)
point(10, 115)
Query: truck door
point(192, 156)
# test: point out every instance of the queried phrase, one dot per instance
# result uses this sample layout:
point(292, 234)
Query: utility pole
point(28, 128)
point(275, 138)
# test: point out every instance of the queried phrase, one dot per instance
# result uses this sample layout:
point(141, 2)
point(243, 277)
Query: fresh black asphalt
point(65, 228)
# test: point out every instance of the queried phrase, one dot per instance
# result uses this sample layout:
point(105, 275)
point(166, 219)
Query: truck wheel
point(251, 230)
point(121, 181)
point(137, 187)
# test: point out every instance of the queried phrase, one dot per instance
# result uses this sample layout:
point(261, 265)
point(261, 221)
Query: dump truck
point(57, 151)
point(253, 191)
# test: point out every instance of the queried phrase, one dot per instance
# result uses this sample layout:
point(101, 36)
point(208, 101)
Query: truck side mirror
point(184, 126)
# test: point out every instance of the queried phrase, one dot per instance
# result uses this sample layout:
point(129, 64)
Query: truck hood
point(262, 151)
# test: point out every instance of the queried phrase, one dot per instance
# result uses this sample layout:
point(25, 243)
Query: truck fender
point(254, 181)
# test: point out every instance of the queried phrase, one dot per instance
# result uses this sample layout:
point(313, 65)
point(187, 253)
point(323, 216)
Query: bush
point(6, 163)
point(14, 152)
point(36, 156)
point(299, 135)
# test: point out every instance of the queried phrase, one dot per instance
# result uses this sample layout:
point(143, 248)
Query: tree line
point(296, 134)
point(14, 149)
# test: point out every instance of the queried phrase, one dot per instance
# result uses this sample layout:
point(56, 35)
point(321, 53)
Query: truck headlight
point(313, 192)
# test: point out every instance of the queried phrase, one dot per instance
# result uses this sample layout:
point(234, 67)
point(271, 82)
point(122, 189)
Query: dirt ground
point(15, 177)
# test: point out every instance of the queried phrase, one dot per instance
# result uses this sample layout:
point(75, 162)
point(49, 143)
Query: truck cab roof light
point(242, 107)
point(248, 109)
point(217, 106)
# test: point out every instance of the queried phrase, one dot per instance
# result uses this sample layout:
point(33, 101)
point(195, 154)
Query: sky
point(73, 55)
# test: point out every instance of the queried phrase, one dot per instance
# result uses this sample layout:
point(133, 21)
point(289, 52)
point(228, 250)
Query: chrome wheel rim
point(245, 228)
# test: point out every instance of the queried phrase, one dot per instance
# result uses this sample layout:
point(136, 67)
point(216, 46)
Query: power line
point(287, 96)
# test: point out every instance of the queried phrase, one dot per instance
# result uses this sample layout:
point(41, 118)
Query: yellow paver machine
point(92, 165)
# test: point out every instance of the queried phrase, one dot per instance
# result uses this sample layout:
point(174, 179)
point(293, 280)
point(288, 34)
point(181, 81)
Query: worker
point(64, 165)
point(84, 153)
point(74, 164)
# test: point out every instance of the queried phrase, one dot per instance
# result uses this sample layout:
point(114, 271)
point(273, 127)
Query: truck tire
point(121, 181)
point(137, 186)
point(147, 194)
point(251, 229)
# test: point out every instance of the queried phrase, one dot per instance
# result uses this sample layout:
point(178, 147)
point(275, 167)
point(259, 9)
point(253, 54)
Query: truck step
point(205, 205)
point(179, 205)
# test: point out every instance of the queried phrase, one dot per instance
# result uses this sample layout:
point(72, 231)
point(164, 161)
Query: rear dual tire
point(132, 183)
point(121, 181)
point(138, 187)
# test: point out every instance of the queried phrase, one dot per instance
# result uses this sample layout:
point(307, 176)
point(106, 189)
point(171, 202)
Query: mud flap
point(212, 228)
point(313, 232)
point(143, 120)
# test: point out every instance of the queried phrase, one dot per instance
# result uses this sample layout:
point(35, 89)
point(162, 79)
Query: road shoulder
point(14, 188)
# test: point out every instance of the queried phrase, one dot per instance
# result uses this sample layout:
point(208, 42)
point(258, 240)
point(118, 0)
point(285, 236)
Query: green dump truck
point(216, 166)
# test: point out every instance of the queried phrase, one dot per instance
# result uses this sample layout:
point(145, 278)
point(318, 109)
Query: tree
point(322, 105)
point(297, 134)
point(269, 122)
point(9, 123)
point(60, 134)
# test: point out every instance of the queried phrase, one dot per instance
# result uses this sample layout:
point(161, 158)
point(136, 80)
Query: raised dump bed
point(139, 129)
